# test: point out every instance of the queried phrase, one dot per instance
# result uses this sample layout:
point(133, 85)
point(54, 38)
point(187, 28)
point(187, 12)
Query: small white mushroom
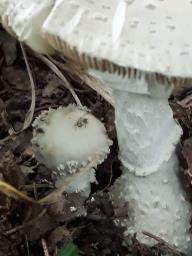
point(66, 139)
point(24, 19)
point(141, 49)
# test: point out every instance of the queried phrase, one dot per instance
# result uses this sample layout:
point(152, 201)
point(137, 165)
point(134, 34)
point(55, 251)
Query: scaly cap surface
point(152, 36)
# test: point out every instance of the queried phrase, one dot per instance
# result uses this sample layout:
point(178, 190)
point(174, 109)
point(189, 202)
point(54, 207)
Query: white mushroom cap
point(68, 138)
point(149, 35)
point(3, 6)
point(24, 19)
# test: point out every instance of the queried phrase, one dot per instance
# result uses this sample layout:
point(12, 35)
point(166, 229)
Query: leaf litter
point(35, 218)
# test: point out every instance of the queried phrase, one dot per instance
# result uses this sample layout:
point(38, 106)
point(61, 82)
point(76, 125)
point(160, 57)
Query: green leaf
point(69, 250)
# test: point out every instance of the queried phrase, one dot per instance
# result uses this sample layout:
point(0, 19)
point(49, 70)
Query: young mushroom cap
point(68, 138)
point(24, 19)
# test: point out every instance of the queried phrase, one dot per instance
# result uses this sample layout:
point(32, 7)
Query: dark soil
point(31, 229)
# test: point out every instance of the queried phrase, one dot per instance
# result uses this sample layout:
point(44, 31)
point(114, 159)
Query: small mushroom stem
point(147, 136)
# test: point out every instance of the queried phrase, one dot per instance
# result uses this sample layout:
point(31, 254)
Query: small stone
point(73, 209)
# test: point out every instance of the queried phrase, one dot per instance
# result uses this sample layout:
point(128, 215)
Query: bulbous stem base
point(147, 136)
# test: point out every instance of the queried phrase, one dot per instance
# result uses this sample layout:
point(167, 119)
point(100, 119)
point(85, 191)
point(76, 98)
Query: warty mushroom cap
point(125, 36)
point(66, 139)
point(69, 134)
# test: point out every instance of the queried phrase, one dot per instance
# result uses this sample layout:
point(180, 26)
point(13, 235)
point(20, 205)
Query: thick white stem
point(147, 135)
point(157, 205)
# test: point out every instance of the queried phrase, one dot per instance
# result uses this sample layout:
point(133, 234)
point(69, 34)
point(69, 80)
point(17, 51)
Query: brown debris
point(98, 234)
point(8, 47)
point(11, 171)
point(181, 104)
point(58, 238)
point(39, 224)
point(16, 78)
point(68, 208)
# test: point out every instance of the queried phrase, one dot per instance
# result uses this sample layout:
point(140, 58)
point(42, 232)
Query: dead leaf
point(68, 207)
point(59, 237)
point(8, 247)
point(11, 171)
point(16, 77)
point(89, 80)
point(39, 225)
point(187, 153)
point(51, 88)
point(186, 102)
point(8, 44)
point(55, 69)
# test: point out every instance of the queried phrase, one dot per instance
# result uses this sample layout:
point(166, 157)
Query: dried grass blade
point(26, 224)
point(30, 113)
point(45, 248)
point(55, 69)
point(89, 80)
point(12, 192)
